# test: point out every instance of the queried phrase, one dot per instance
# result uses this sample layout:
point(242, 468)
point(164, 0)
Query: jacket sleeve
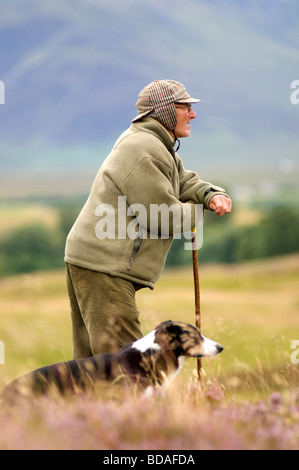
point(192, 188)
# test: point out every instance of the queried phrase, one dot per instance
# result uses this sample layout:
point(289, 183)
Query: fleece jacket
point(120, 230)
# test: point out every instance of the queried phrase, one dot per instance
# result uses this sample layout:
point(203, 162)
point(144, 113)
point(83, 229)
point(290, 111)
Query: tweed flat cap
point(158, 98)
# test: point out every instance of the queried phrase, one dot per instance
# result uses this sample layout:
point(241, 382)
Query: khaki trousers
point(104, 312)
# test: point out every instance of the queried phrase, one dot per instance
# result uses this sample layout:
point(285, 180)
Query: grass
point(248, 397)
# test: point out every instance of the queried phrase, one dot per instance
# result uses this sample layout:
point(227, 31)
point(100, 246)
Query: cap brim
point(141, 115)
point(188, 100)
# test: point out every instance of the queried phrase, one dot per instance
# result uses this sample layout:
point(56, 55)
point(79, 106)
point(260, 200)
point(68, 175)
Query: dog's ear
point(168, 333)
point(170, 327)
point(163, 324)
point(174, 329)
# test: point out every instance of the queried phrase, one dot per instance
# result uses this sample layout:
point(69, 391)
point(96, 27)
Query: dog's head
point(184, 340)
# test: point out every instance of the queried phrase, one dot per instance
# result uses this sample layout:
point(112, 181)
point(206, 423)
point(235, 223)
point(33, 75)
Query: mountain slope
point(72, 74)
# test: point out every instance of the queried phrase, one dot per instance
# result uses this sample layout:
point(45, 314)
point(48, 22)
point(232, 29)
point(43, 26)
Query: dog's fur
point(150, 362)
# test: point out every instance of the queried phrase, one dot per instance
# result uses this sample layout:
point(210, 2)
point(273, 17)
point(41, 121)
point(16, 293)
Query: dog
point(148, 363)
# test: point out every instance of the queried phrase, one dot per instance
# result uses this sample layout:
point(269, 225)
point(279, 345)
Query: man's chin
point(186, 133)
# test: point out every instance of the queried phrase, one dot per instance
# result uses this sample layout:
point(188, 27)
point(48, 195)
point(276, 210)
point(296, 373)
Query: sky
point(71, 74)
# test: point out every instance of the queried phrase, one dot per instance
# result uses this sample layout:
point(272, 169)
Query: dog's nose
point(219, 348)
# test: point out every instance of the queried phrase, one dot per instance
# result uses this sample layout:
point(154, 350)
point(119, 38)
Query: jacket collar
point(152, 126)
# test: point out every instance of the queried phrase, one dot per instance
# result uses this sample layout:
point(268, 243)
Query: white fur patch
point(147, 342)
point(169, 379)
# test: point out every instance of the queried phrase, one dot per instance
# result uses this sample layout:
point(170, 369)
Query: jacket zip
point(135, 250)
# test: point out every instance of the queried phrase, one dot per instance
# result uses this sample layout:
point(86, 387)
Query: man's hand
point(220, 204)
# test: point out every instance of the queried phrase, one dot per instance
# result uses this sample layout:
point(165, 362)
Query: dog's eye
point(185, 336)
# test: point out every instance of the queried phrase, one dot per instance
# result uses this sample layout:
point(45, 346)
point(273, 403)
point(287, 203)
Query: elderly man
point(142, 170)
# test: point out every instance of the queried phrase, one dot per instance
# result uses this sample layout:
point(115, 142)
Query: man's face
point(184, 115)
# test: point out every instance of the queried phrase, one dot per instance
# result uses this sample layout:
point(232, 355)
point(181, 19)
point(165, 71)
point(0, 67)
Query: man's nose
point(192, 114)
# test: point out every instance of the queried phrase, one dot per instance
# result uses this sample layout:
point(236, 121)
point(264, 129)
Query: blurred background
point(72, 72)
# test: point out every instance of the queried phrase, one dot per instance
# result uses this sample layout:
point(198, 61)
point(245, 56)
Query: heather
point(198, 420)
point(248, 397)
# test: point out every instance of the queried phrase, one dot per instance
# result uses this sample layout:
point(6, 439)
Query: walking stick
point(196, 292)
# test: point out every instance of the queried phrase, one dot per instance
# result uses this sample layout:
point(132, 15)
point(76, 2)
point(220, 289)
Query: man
point(106, 263)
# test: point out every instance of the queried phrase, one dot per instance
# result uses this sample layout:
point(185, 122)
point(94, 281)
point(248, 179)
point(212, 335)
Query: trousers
point(103, 311)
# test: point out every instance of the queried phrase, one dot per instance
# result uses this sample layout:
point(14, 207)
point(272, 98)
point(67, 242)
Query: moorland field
point(247, 399)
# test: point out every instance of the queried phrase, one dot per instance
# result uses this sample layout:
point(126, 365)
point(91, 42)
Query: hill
point(72, 74)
